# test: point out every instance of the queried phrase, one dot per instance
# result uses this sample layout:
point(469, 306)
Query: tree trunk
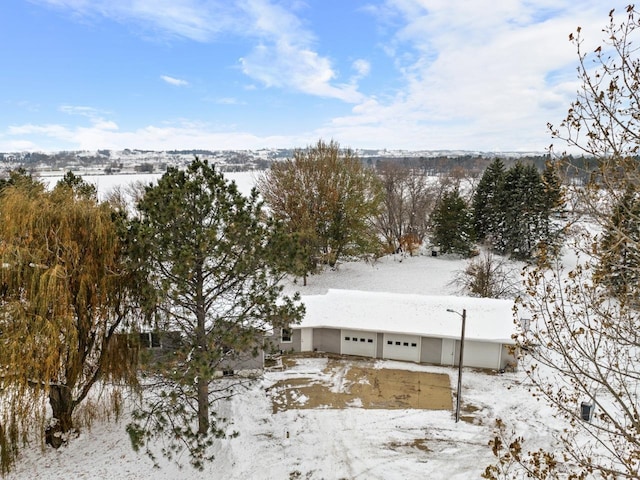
point(203, 406)
point(62, 406)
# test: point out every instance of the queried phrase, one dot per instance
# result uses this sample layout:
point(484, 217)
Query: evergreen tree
point(512, 209)
point(488, 210)
point(78, 185)
point(553, 193)
point(20, 177)
point(617, 252)
point(553, 206)
point(215, 263)
point(452, 224)
point(523, 200)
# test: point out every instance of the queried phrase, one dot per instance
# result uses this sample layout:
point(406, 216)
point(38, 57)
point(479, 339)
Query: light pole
point(460, 357)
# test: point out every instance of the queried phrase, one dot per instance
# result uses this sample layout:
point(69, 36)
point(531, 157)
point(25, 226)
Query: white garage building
point(409, 327)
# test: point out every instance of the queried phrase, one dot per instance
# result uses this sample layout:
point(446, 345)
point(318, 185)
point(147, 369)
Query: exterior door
point(482, 354)
point(358, 343)
point(448, 352)
point(306, 339)
point(401, 347)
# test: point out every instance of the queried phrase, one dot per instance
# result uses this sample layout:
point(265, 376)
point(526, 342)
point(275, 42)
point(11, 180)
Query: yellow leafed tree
point(63, 303)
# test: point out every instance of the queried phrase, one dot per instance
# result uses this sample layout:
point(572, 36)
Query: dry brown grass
point(351, 383)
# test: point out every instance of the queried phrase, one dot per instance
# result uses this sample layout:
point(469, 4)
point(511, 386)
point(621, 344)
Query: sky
point(481, 75)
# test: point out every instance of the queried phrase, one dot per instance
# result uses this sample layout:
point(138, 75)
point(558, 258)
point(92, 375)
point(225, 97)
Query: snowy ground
point(329, 444)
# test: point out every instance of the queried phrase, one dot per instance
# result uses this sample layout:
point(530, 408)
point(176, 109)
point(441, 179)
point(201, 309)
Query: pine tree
point(215, 263)
point(512, 210)
point(488, 211)
point(20, 177)
point(553, 192)
point(452, 226)
point(78, 185)
point(523, 200)
point(617, 251)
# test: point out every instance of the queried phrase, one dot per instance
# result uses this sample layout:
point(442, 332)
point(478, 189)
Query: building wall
point(482, 354)
point(329, 340)
point(274, 343)
point(326, 340)
point(380, 345)
point(508, 358)
point(430, 350)
point(243, 362)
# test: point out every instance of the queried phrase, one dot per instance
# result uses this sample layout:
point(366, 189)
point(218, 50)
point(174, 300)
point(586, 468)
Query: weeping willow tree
point(63, 302)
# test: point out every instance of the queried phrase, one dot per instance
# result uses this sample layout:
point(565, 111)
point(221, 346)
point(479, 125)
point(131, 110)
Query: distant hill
point(149, 161)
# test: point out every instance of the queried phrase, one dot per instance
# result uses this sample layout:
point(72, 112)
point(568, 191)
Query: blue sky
point(224, 74)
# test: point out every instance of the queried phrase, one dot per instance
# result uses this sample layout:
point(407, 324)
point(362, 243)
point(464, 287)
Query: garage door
point(358, 343)
point(481, 355)
point(401, 347)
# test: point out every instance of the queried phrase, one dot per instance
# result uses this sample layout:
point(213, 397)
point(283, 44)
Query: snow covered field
point(106, 183)
point(329, 444)
point(353, 443)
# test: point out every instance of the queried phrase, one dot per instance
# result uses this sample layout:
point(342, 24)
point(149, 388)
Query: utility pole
point(460, 361)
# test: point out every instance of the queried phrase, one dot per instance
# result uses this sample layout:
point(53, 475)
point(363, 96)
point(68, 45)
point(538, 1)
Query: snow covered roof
point(488, 319)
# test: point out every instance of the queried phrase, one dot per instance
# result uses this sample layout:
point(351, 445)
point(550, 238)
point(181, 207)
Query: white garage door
point(481, 355)
point(358, 343)
point(401, 347)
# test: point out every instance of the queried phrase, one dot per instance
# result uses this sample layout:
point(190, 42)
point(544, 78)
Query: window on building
point(362, 339)
point(414, 344)
point(398, 343)
point(370, 340)
point(389, 342)
point(406, 344)
point(286, 335)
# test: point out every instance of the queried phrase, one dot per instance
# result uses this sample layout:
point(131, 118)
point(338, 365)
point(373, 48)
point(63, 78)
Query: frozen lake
point(106, 183)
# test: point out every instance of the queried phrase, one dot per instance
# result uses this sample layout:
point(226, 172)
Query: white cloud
point(199, 20)
point(228, 101)
point(291, 66)
point(83, 111)
point(479, 75)
point(178, 82)
point(474, 75)
point(179, 135)
point(362, 67)
point(283, 57)
point(56, 131)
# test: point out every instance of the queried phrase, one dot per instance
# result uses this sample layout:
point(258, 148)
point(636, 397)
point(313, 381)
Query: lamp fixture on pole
point(460, 357)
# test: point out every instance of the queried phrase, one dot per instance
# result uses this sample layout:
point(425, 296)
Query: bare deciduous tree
point(408, 201)
point(583, 340)
point(489, 276)
point(328, 198)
